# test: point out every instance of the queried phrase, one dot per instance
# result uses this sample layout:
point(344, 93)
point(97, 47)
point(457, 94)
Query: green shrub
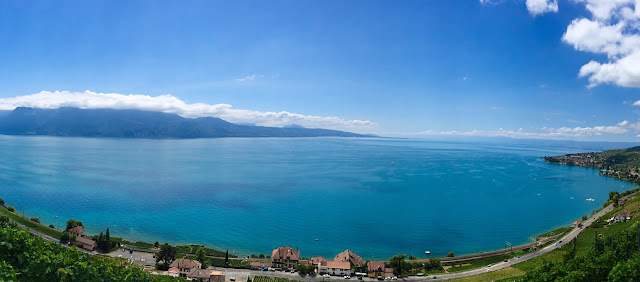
point(1, 202)
point(11, 209)
point(52, 226)
point(35, 219)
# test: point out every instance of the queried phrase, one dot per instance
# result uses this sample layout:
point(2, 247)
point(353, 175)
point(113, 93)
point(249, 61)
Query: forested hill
point(140, 124)
point(623, 164)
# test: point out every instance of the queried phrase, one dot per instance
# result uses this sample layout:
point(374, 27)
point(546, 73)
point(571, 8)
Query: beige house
point(186, 265)
point(216, 276)
point(351, 257)
point(85, 243)
point(340, 268)
point(285, 257)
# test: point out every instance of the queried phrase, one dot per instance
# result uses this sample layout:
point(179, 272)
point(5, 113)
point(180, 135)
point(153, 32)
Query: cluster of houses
point(82, 240)
point(343, 264)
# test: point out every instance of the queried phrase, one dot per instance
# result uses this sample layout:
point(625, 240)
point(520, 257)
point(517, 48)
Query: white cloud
point(544, 133)
point(613, 30)
point(250, 77)
point(539, 7)
point(171, 104)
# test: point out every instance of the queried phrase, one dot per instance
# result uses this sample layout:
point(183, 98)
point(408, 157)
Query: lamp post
point(57, 222)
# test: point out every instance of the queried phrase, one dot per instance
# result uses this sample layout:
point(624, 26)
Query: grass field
point(501, 274)
point(476, 263)
point(29, 223)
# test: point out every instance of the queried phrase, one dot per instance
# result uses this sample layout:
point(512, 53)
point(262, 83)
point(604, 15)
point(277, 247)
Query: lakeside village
point(202, 267)
point(622, 164)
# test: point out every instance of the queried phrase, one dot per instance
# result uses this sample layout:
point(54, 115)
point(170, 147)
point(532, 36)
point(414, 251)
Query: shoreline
point(460, 256)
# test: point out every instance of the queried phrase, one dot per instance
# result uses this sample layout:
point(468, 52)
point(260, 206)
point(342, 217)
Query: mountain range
point(140, 124)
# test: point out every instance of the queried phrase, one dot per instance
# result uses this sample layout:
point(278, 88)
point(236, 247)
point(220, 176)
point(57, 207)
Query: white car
point(326, 276)
point(347, 277)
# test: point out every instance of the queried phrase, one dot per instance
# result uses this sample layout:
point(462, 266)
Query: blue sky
point(410, 68)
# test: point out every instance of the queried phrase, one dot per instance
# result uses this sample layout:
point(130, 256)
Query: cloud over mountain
point(171, 104)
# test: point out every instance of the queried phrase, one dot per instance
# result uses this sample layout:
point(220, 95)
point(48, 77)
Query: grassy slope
point(585, 240)
point(506, 273)
point(27, 222)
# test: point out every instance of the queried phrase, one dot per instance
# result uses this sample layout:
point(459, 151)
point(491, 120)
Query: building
point(376, 269)
point(258, 265)
point(351, 257)
point(577, 223)
point(200, 275)
point(622, 216)
point(86, 243)
point(78, 230)
point(317, 260)
point(388, 272)
point(285, 257)
point(174, 271)
point(216, 276)
point(185, 266)
point(340, 268)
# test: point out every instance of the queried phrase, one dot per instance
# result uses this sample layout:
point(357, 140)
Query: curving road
point(502, 265)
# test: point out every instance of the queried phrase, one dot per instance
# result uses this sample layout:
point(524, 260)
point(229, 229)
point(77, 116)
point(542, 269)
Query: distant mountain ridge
point(140, 124)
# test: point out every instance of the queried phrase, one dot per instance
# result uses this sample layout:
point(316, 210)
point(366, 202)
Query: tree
point(451, 254)
point(1, 202)
point(71, 223)
point(52, 226)
point(301, 268)
point(156, 244)
point(398, 263)
point(200, 256)
point(11, 209)
point(35, 219)
point(72, 238)
point(64, 237)
point(261, 256)
point(412, 257)
point(167, 253)
point(613, 194)
point(226, 259)
point(584, 217)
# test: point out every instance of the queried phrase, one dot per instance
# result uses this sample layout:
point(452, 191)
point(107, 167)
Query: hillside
point(139, 124)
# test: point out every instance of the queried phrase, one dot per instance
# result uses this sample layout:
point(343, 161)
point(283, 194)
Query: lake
point(376, 197)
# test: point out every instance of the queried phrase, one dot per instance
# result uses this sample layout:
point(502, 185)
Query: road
point(502, 265)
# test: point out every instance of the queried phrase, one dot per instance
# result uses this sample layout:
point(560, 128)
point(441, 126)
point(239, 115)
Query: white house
point(622, 216)
point(340, 268)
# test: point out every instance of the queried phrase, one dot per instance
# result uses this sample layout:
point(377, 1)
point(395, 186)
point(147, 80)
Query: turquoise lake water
point(377, 197)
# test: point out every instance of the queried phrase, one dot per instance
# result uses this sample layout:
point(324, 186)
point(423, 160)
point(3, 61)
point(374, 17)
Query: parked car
point(326, 276)
point(347, 277)
point(506, 260)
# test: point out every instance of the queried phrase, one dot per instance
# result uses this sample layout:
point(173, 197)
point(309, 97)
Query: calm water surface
point(377, 197)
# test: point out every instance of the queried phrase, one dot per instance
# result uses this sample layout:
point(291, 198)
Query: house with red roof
point(285, 257)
